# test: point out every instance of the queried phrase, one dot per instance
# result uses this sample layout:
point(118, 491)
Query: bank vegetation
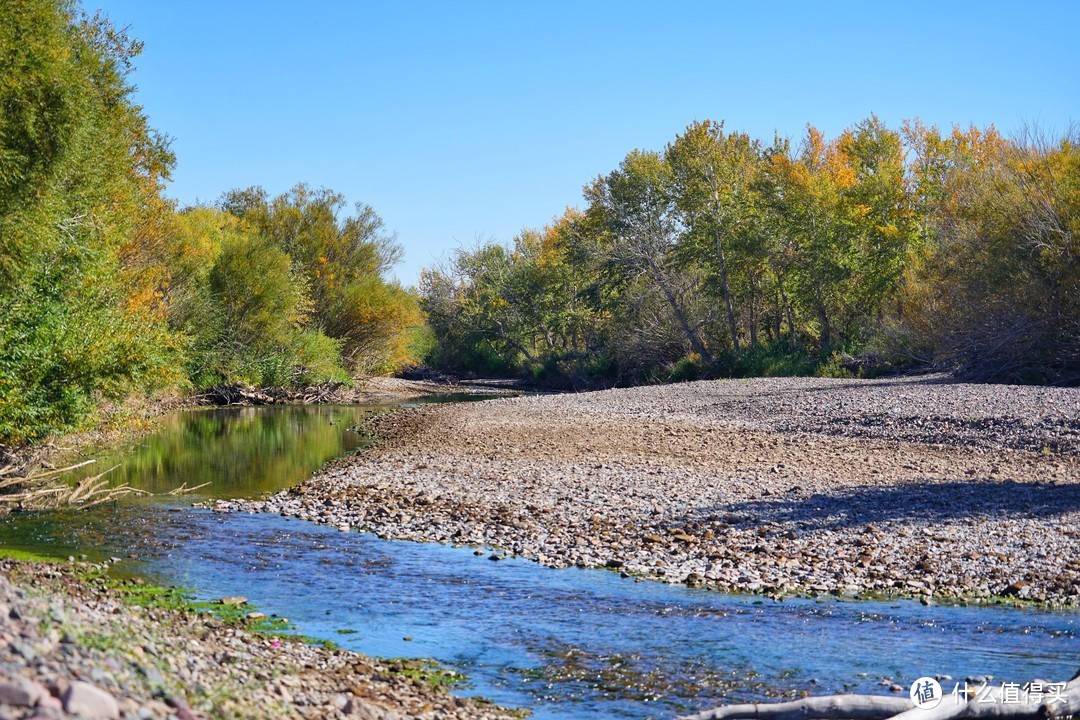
point(724, 255)
point(108, 289)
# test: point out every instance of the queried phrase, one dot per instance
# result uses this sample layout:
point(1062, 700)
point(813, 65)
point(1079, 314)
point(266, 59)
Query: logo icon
point(926, 693)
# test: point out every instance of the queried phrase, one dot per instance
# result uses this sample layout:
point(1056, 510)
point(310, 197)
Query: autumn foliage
point(723, 255)
point(106, 289)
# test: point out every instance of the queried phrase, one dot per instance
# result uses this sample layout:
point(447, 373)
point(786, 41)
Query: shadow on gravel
point(934, 502)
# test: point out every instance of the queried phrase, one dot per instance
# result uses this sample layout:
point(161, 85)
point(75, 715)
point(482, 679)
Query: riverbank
point(77, 643)
point(126, 421)
point(915, 486)
point(132, 417)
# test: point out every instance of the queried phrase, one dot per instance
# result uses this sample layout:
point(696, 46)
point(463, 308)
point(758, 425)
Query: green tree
point(343, 260)
point(80, 176)
point(637, 203)
point(714, 175)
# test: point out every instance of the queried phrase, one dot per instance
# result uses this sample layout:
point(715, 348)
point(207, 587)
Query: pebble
point(84, 699)
point(771, 485)
point(234, 600)
point(21, 693)
point(223, 670)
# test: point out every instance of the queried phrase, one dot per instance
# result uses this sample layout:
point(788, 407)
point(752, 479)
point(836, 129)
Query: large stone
point(84, 699)
point(20, 693)
point(1020, 588)
point(361, 709)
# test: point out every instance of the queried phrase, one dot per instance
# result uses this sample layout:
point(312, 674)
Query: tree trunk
point(823, 318)
point(790, 313)
point(978, 702)
point(727, 291)
point(753, 320)
point(829, 707)
point(691, 332)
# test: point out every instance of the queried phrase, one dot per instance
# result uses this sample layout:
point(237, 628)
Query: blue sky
point(459, 120)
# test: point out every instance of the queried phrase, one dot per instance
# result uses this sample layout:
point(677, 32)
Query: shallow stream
point(564, 643)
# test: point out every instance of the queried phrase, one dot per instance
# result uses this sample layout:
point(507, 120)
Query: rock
point(1016, 588)
point(614, 563)
point(364, 710)
point(24, 649)
point(234, 600)
point(21, 693)
point(84, 699)
point(50, 703)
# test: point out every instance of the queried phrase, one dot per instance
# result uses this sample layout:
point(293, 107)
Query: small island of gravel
point(915, 486)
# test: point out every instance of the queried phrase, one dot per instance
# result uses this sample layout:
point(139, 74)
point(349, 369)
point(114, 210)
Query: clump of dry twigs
point(43, 490)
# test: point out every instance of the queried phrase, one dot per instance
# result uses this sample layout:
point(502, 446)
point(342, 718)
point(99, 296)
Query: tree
point(638, 207)
point(713, 180)
point(993, 290)
point(80, 176)
point(236, 298)
point(343, 261)
point(843, 209)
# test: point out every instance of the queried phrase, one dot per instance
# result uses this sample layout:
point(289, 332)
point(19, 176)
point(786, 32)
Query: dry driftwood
point(328, 392)
point(31, 479)
point(184, 489)
point(829, 707)
point(38, 492)
point(1057, 700)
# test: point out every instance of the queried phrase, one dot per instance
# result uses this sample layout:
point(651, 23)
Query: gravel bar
point(916, 486)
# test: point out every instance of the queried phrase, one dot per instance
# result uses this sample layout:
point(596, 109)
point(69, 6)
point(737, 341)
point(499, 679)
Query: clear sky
point(459, 120)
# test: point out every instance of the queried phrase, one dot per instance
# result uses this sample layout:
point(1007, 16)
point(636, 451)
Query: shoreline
point(127, 420)
point(770, 486)
point(79, 643)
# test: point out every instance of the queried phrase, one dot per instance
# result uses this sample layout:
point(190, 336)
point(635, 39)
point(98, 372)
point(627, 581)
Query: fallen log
point(1037, 700)
point(827, 707)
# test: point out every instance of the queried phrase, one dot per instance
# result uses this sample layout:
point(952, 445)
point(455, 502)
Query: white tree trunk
point(988, 702)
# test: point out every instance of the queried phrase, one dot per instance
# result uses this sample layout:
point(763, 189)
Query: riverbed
point(564, 643)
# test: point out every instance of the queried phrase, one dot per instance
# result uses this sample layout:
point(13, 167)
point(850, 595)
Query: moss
point(12, 554)
point(429, 672)
point(138, 592)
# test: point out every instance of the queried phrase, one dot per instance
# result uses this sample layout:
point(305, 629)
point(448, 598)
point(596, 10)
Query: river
point(563, 643)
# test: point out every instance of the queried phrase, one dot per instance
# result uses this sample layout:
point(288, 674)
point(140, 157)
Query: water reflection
point(240, 451)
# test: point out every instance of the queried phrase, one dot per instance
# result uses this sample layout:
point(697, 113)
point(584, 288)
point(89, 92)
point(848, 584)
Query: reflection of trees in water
point(239, 451)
